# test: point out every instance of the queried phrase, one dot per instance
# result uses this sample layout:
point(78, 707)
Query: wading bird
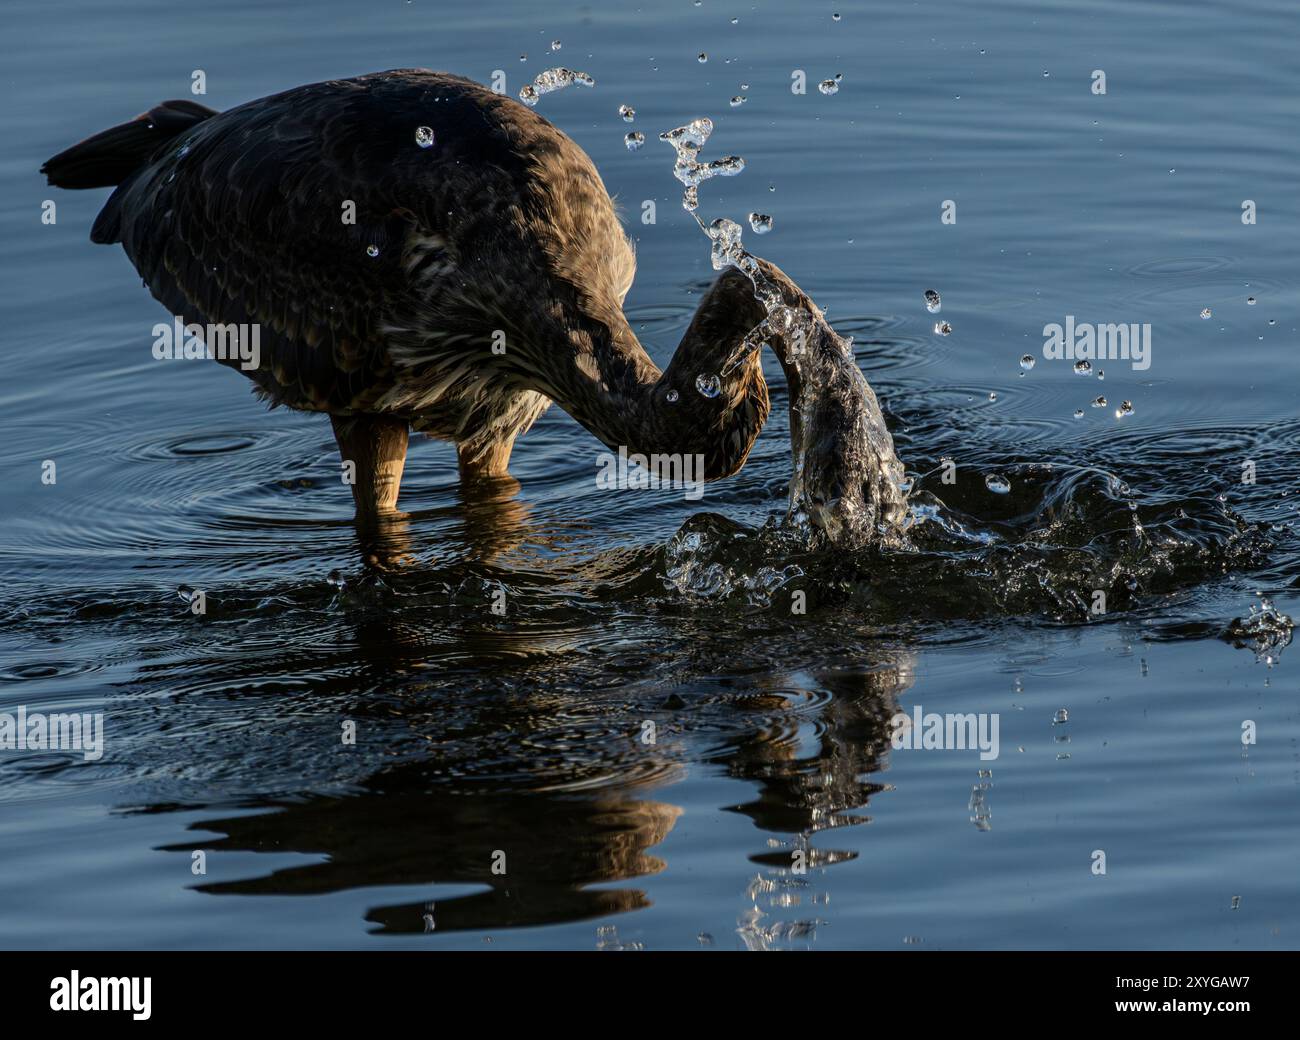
point(418, 253)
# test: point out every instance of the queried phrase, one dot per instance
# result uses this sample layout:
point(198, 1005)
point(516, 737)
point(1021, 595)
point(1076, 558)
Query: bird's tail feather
point(108, 158)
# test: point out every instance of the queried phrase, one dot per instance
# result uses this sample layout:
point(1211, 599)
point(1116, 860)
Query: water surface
point(479, 734)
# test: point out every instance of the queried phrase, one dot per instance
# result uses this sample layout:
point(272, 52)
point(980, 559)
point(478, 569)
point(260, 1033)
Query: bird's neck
point(606, 380)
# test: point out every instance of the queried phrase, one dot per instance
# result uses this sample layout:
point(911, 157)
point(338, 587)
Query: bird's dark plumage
point(482, 277)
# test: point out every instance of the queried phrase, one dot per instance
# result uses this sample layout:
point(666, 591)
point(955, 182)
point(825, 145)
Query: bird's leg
point(495, 462)
point(375, 446)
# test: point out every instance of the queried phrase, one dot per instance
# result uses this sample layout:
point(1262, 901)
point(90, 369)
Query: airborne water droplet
point(738, 100)
point(1062, 715)
point(1099, 403)
point(702, 58)
point(424, 136)
point(760, 222)
point(552, 79)
point(372, 250)
point(335, 578)
point(828, 86)
point(1083, 368)
point(672, 396)
point(942, 328)
point(997, 483)
point(634, 140)
point(1078, 413)
point(555, 45)
point(1027, 362)
point(627, 112)
point(1250, 300)
point(1125, 408)
point(708, 386)
point(932, 302)
point(1207, 314)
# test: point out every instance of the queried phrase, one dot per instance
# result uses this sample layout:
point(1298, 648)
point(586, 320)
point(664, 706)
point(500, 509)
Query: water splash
point(1266, 631)
point(551, 80)
point(847, 479)
point(687, 141)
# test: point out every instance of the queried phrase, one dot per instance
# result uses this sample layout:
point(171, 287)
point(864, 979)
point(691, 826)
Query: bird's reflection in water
point(554, 847)
point(572, 808)
point(519, 735)
point(803, 794)
point(488, 519)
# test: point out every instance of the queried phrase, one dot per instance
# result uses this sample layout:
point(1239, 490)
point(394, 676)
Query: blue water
point(520, 735)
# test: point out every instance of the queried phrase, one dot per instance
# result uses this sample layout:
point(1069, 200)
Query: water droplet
point(992, 396)
point(523, 57)
point(835, 18)
point(627, 112)
point(1101, 375)
point(1207, 314)
point(942, 328)
point(552, 79)
point(709, 386)
point(634, 140)
point(738, 100)
point(555, 45)
point(702, 58)
point(1272, 321)
point(672, 396)
point(1250, 301)
point(1078, 413)
point(424, 136)
point(1027, 362)
point(372, 250)
point(828, 86)
point(1125, 408)
point(932, 302)
point(760, 222)
point(687, 141)
point(1046, 74)
point(1062, 715)
point(998, 484)
point(1083, 368)
point(335, 578)
point(185, 592)
point(1099, 403)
